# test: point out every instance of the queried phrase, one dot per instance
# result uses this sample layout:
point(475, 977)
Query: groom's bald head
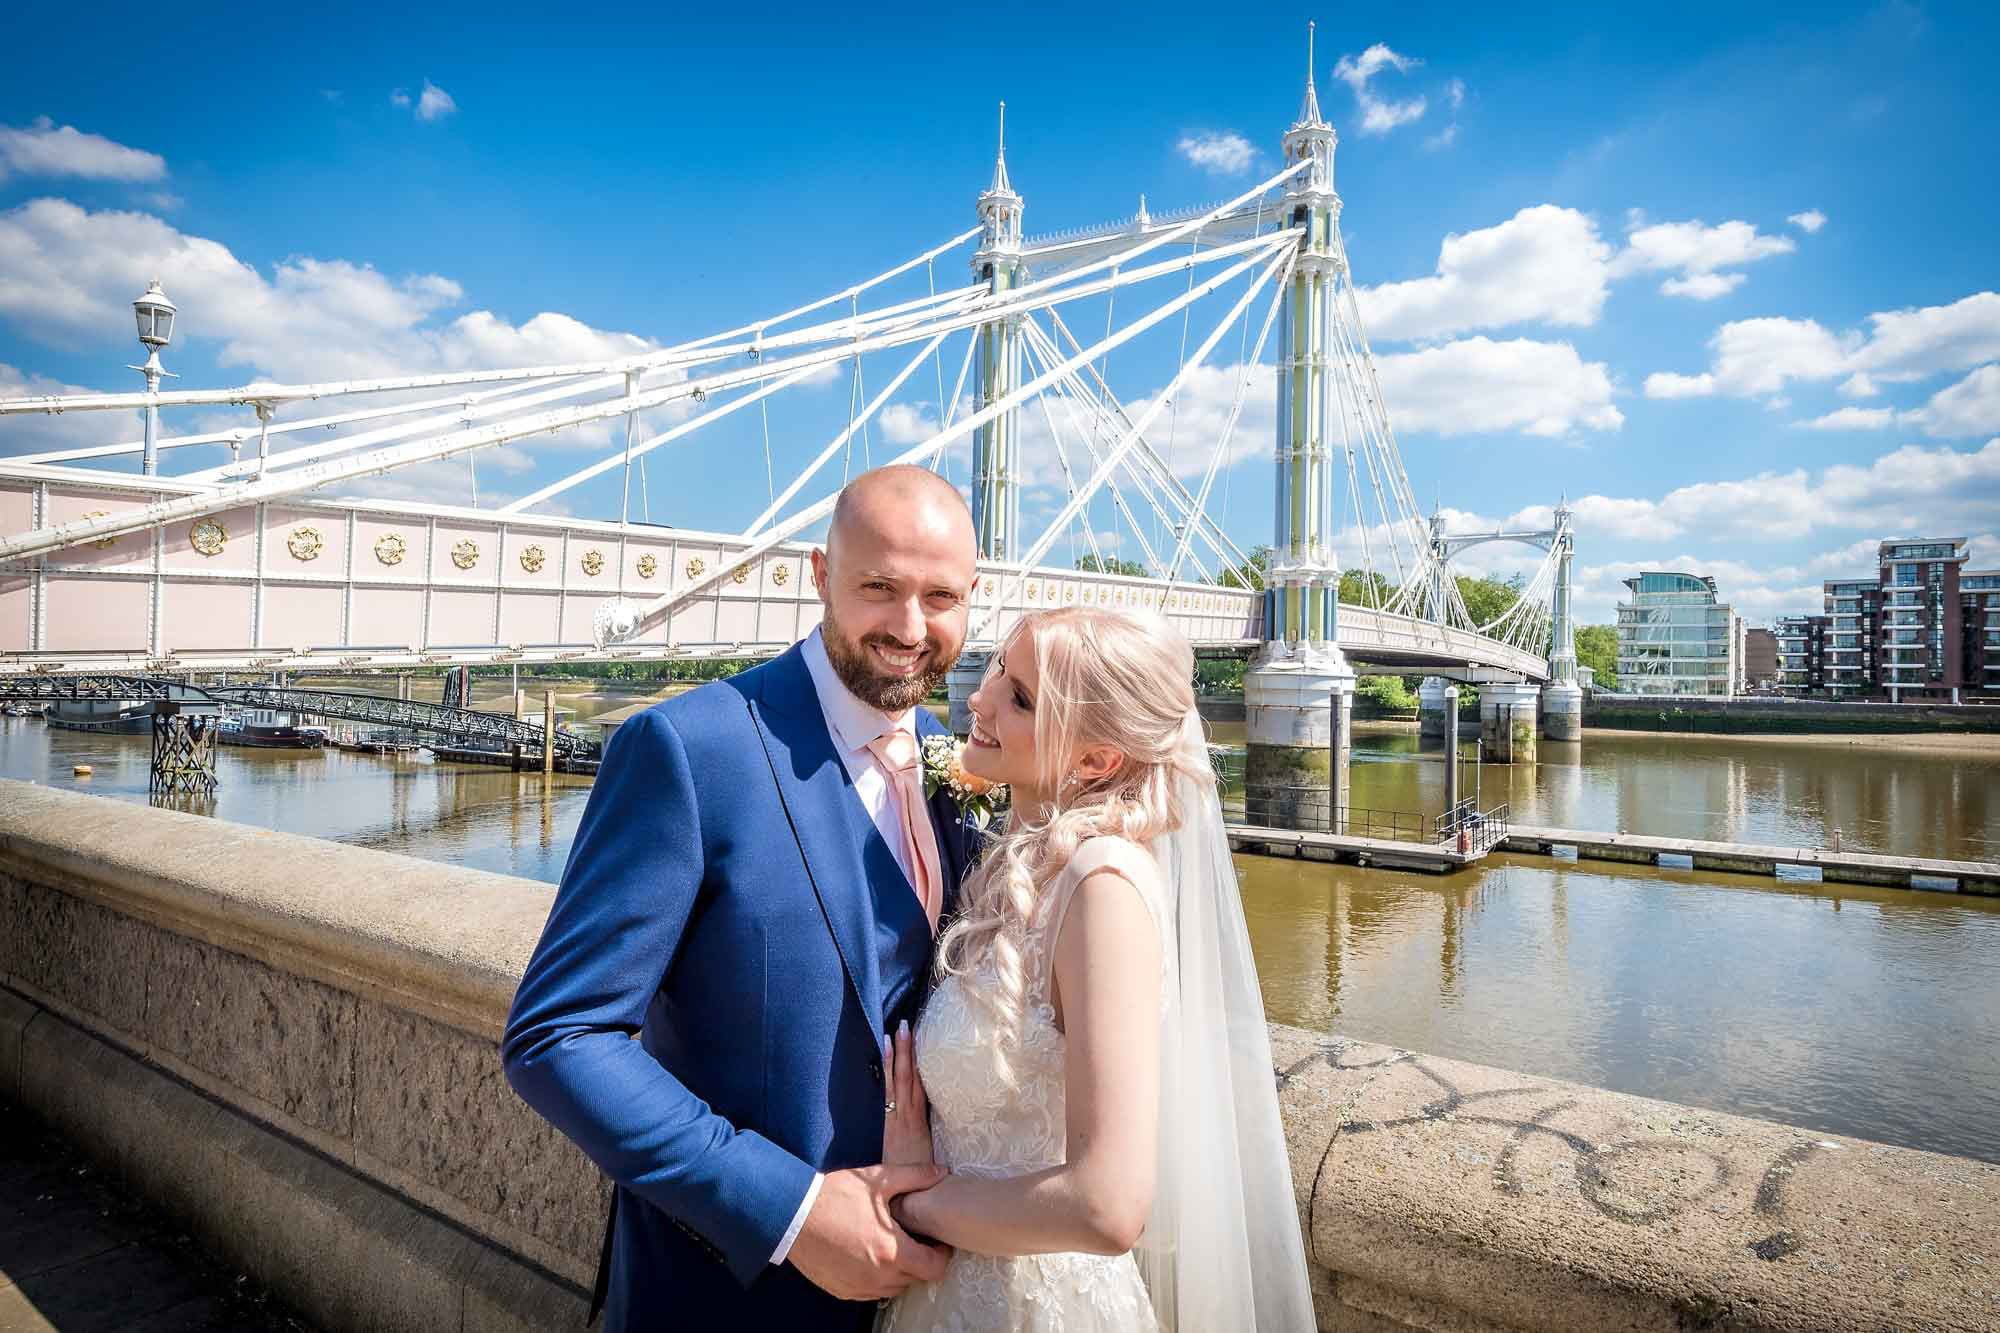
point(899, 498)
point(896, 579)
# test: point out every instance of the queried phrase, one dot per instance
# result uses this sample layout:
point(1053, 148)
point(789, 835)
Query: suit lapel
point(832, 829)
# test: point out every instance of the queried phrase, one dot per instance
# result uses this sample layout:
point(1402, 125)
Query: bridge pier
point(1507, 718)
point(1562, 710)
point(1298, 711)
point(960, 682)
point(1436, 715)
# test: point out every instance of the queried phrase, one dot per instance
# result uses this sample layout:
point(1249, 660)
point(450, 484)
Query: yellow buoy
point(81, 770)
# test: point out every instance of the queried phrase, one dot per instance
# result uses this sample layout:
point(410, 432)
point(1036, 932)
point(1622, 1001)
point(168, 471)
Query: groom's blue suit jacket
point(729, 900)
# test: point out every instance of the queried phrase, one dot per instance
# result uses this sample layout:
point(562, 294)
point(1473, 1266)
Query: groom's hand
point(852, 1248)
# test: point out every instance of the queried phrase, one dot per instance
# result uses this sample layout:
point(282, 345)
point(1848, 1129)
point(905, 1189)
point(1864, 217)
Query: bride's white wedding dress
point(982, 1127)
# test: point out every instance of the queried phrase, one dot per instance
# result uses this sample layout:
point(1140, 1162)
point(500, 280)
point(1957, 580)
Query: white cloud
point(1858, 386)
point(1698, 252)
point(434, 102)
point(45, 149)
point(1544, 264)
point(1666, 384)
point(1480, 385)
point(1223, 152)
point(1910, 489)
point(1454, 93)
point(1912, 343)
point(907, 423)
point(26, 434)
point(1851, 418)
point(1753, 357)
point(1809, 221)
point(1379, 115)
point(1968, 408)
point(399, 99)
point(1703, 286)
point(68, 275)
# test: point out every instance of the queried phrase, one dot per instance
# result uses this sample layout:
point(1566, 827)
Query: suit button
point(875, 1070)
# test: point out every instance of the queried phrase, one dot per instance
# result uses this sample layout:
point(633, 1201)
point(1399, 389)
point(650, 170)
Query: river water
point(1868, 1012)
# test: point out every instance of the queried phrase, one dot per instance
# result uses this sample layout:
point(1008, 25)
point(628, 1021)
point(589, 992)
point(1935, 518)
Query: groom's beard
point(891, 694)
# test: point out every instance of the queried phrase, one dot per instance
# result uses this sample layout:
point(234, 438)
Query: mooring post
point(548, 732)
point(1450, 750)
point(1337, 757)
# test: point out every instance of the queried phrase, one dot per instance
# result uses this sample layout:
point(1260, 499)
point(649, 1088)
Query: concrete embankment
point(1776, 717)
point(290, 1043)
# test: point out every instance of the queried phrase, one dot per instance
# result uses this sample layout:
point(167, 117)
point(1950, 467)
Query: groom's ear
point(819, 572)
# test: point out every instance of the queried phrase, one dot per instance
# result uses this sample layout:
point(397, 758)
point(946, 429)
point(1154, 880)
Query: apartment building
point(1801, 654)
point(1850, 666)
point(1923, 628)
point(1922, 631)
point(1674, 637)
point(1979, 618)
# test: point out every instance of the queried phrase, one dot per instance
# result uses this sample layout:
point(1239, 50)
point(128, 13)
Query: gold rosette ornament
point(208, 537)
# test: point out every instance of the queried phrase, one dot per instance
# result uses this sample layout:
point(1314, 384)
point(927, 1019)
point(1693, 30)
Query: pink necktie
point(896, 751)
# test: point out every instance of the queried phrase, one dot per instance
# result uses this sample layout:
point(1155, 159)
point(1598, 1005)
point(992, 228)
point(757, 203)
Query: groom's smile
point(896, 581)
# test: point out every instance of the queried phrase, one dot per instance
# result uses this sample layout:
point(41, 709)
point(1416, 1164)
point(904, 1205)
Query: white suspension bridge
point(273, 560)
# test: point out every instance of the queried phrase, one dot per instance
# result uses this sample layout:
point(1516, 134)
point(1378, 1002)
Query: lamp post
point(155, 315)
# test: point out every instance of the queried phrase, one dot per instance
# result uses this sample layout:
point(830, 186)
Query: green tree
point(1259, 566)
point(1365, 588)
point(1489, 599)
point(1386, 694)
point(1111, 564)
point(1597, 648)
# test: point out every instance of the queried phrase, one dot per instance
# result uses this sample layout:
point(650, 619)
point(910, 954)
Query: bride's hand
point(906, 1127)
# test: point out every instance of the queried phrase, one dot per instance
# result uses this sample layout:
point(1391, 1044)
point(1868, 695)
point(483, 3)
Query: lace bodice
point(982, 1127)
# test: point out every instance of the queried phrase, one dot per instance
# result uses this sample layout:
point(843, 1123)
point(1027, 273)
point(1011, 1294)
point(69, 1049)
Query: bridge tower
point(996, 498)
point(1299, 692)
point(1562, 697)
point(996, 494)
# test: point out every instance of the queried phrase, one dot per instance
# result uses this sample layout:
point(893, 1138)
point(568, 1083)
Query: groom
point(754, 892)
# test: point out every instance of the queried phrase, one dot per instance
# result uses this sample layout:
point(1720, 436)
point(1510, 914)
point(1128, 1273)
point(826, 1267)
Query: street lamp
point(155, 315)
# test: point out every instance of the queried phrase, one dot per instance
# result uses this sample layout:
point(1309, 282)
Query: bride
point(1092, 1067)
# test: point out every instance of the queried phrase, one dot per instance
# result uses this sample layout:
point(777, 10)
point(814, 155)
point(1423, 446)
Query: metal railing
point(1308, 808)
point(1468, 829)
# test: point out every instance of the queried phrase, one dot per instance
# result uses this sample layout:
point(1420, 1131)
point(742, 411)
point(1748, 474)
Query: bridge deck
point(358, 584)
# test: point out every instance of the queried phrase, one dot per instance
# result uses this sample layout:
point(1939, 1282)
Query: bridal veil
point(1222, 1251)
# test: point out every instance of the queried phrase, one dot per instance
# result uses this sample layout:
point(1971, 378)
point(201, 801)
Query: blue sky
point(1723, 274)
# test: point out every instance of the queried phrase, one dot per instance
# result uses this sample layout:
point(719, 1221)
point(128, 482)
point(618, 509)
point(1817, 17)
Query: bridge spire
point(1309, 109)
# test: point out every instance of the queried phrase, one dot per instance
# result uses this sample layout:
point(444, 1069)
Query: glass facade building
point(1675, 638)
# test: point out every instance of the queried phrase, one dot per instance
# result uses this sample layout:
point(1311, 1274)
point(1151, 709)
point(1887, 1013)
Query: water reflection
point(1849, 1010)
point(1733, 789)
point(1856, 1011)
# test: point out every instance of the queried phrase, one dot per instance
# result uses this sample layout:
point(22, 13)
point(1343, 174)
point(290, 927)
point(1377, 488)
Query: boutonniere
point(944, 770)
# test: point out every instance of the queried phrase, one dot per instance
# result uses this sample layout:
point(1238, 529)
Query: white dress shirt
point(852, 725)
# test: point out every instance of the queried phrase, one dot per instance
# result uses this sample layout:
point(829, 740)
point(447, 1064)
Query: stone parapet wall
point(291, 1043)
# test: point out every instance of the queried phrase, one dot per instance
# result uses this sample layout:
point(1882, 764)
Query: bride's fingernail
point(903, 1029)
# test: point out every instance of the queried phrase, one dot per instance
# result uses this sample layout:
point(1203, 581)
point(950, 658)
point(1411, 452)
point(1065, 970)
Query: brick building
point(1923, 629)
point(1760, 659)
